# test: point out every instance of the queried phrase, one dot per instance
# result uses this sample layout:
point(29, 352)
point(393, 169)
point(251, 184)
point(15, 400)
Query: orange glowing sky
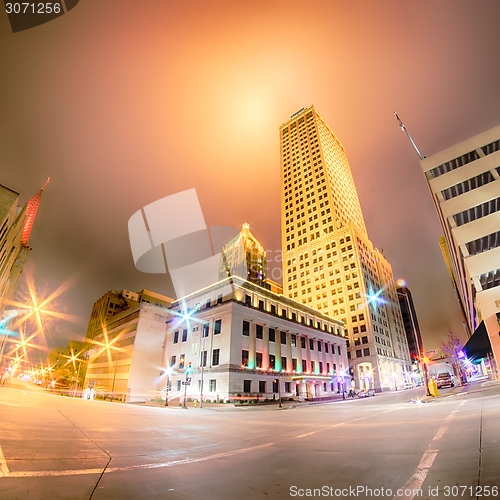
point(124, 102)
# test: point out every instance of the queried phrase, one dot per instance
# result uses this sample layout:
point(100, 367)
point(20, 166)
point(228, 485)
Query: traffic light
point(425, 359)
point(190, 367)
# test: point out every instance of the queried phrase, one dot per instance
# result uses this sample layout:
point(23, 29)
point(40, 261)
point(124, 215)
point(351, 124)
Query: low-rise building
point(125, 345)
point(236, 339)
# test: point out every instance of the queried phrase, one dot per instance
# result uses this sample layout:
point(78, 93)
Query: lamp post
point(204, 329)
point(114, 376)
point(168, 372)
point(77, 377)
point(186, 383)
point(279, 389)
point(340, 381)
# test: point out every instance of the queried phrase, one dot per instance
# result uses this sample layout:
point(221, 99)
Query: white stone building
point(236, 339)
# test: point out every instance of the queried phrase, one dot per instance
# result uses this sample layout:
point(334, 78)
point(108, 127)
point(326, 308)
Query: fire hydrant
point(195, 403)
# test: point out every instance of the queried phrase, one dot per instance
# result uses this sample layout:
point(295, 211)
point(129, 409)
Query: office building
point(16, 225)
point(124, 343)
point(464, 180)
point(410, 322)
point(235, 339)
point(329, 263)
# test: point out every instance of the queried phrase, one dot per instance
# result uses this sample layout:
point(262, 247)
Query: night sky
point(124, 102)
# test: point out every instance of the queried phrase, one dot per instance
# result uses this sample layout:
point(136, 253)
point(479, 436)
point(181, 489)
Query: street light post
point(203, 328)
point(186, 383)
point(114, 376)
point(279, 389)
point(168, 372)
point(77, 378)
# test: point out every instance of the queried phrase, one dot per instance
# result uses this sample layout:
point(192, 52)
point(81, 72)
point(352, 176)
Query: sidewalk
point(477, 385)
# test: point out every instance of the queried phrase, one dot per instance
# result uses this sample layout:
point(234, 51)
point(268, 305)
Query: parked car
point(444, 380)
point(365, 394)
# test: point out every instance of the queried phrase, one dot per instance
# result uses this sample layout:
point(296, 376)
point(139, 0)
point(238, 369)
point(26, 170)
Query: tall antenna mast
point(403, 128)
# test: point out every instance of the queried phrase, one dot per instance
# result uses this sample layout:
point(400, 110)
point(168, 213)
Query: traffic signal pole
point(186, 383)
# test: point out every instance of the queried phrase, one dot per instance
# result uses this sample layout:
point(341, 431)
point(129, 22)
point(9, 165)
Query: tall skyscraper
point(329, 263)
point(465, 183)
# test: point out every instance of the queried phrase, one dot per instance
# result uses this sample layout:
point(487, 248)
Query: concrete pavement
point(54, 447)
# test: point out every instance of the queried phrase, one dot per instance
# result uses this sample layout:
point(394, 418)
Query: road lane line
point(4, 469)
point(318, 430)
point(414, 484)
point(172, 463)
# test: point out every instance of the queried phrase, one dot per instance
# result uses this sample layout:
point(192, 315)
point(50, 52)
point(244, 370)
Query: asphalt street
point(55, 448)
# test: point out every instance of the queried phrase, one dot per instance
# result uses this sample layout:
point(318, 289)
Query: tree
point(453, 350)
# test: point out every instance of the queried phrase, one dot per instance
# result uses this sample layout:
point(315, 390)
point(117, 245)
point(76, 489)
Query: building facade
point(239, 340)
point(410, 322)
point(329, 263)
point(124, 344)
point(15, 229)
point(465, 184)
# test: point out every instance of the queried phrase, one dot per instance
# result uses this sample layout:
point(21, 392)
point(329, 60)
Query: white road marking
point(414, 484)
point(76, 472)
point(319, 430)
point(4, 469)
point(305, 435)
point(135, 467)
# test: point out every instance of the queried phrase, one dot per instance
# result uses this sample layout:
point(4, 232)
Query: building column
point(278, 347)
point(265, 349)
point(289, 349)
point(251, 350)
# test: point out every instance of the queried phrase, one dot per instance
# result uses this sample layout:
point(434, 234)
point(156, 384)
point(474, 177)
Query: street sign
point(91, 384)
point(188, 380)
point(186, 383)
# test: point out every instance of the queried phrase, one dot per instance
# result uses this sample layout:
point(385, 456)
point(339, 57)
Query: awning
point(478, 346)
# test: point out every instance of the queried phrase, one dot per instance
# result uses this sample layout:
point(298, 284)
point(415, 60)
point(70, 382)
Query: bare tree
point(451, 350)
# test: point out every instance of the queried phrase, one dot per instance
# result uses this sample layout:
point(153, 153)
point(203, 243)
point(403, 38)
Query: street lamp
point(114, 376)
point(340, 381)
point(168, 372)
point(279, 389)
point(187, 382)
point(204, 330)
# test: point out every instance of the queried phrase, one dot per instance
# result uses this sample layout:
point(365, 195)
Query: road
point(54, 448)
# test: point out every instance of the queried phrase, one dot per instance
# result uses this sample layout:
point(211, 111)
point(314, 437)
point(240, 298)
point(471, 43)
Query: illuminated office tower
point(329, 263)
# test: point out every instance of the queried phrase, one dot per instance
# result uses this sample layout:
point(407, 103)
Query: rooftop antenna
point(403, 128)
